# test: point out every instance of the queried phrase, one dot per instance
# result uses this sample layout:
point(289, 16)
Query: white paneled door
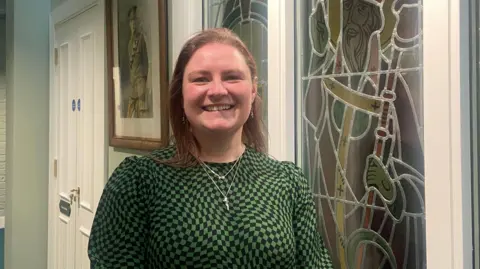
point(79, 112)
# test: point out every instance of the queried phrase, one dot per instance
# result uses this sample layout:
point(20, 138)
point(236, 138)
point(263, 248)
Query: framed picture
point(137, 63)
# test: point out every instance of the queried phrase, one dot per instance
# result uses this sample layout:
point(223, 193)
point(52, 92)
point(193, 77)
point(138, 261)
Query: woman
point(213, 199)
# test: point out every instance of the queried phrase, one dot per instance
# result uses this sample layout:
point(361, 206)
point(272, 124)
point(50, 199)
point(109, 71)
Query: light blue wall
point(2, 73)
point(2, 40)
point(27, 69)
point(56, 3)
point(2, 109)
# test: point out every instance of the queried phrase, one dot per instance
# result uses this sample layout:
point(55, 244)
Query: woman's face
point(218, 90)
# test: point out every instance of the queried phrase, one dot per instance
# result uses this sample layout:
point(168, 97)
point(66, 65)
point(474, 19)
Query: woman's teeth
point(218, 108)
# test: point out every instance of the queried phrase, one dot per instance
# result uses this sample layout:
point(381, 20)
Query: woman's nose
point(217, 88)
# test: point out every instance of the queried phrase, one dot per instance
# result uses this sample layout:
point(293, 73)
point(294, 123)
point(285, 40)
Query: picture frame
point(137, 74)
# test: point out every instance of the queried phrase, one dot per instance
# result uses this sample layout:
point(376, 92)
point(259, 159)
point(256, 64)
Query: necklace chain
point(225, 195)
point(216, 174)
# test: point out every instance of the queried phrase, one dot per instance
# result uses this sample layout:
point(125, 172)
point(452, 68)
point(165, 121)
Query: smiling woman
point(218, 92)
point(213, 199)
point(215, 68)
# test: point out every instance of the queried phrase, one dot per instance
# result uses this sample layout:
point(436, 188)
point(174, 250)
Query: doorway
point(78, 135)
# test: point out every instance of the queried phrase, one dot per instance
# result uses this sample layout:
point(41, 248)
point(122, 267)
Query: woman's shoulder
point(262, 161)
point(136, 176)
point(164, 153)
point(291, 169)
point(145, 165)
point(283, 169)
point(132, 172)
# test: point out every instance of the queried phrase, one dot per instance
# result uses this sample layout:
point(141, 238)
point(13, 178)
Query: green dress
point(156, 216)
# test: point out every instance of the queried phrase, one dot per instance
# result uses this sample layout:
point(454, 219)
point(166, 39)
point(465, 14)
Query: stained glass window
point(362, 128)
point(249, 20)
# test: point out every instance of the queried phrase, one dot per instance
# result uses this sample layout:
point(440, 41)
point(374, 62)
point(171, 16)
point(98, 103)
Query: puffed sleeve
point(311, 252)
point(119, 230)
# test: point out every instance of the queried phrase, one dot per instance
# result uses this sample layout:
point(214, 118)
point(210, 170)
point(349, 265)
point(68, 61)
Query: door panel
point(90, 127)
point(67, 149)
point(80, 71)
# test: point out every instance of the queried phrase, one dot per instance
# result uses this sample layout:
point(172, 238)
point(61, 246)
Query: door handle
point(73, 198)
point(76, 190)
point(74, 193)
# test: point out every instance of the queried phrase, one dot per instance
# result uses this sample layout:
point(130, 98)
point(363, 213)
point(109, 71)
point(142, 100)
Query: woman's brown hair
point(186, 144)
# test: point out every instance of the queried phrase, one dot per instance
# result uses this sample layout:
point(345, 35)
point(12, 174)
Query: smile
point(217, 107)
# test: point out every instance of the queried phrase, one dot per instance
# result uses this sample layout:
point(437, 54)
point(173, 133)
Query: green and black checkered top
point(153, 215)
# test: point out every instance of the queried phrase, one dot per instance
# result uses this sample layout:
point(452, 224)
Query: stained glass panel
point(249, 20)
point(362, 128)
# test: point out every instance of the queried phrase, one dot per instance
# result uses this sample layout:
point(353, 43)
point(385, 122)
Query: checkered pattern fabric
point(157, 216)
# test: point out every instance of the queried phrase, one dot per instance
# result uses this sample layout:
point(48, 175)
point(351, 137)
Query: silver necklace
point(222, 177)
point(225, 195)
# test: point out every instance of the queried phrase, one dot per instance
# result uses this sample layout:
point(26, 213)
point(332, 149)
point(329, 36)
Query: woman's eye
point(230, 78)
point(200, 80)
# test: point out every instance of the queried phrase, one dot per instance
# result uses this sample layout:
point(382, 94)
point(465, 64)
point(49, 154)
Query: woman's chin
point(219, 129)
point(225, 127)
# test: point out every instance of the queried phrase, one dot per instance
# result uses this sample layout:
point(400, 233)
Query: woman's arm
point(119, 232)
point(311, 252)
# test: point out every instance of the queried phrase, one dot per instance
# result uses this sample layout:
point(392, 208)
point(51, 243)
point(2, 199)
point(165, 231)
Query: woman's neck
point(214, 149)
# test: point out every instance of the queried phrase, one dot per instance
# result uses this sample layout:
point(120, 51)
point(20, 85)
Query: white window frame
point(447, 134)
point(281, 79)
point(186, 18)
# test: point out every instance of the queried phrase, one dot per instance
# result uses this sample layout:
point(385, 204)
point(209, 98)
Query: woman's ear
point(254, 88)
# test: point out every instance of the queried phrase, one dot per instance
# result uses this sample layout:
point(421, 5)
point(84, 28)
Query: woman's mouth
point(211, 108)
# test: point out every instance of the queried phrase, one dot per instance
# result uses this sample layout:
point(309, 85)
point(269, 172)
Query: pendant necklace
point(225, 195)
point(221, 177)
